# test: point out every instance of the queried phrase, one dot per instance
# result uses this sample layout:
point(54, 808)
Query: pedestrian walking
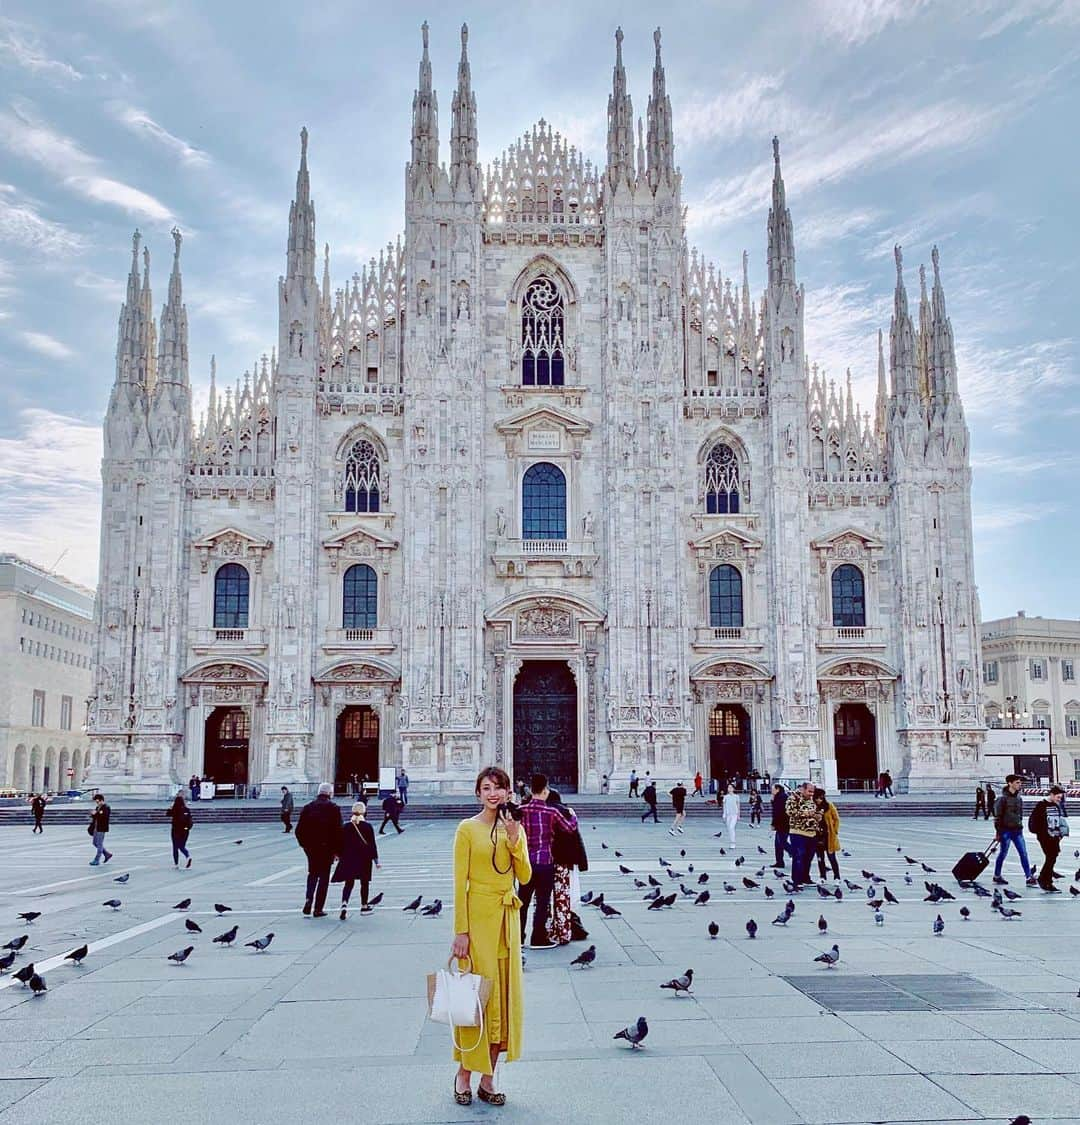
point(180, 817)
point(318, 832)
point(541, 823)
point(567, 852)
point(357, 851)
point(649, 797)
point(193, 787)
point(391, 808)
point(354, 787)
point(730, 810)
point(403, 787)
point(678, 804)
point(287, 806)
point(980, 801)
point(802, 831)
point(698, 782)
point(990, 799)
point(633, 791)
point(37, 809)
point(827, 842)
point(886, 779)
point(490, 852)
point(779, 825)
point(99, 828)
point(755, 807)
point(1049, 825)
point(1009, 828)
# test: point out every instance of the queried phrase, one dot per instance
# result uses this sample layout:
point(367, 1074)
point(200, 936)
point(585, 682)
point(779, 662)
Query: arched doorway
point(357, 747)
point(20, 776)
point(729, 742)
point(855, 739)
point(545, 723)
point(228, 737)
point(35, 769)
point(48, 780)
point(62, 779)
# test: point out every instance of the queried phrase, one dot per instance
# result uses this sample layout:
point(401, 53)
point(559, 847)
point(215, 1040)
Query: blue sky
point(900, 120)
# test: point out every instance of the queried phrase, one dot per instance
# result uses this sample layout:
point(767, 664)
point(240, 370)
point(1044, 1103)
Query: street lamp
point(1013, 709)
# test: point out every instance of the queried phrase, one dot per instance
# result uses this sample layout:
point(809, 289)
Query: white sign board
point(1022, 740)
point(830, 782)
point(387, 779)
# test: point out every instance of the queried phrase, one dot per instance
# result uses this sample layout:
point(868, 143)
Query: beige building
point(46, 673)
point(1029, 678)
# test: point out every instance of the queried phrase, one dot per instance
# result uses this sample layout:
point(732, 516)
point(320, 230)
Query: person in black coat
point(180, 815)
point(318, 832)
point(358, 851)
point(391, 808)
point(779, 824)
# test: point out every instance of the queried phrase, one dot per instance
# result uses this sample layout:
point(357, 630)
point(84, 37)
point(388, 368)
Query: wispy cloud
point(1000, 518)
point(25, 135)
point(850, 23)
point(143, 125)
point(830, 226)
point(22, 225)
point(1000, 384)
point(842, 323)
point(46, 345)
point(50, 492)
point(1023, 463)
point(20, 48)
point(755, 105)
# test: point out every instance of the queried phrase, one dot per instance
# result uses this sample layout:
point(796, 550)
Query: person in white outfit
point(731, 812)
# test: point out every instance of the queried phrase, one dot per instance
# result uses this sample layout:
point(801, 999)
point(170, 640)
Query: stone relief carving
point(545, 621)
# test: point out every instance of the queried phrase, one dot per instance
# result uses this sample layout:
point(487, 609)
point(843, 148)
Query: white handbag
point(458, 999)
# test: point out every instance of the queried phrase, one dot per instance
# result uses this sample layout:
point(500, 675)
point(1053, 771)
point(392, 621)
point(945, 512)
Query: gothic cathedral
point(538, 488)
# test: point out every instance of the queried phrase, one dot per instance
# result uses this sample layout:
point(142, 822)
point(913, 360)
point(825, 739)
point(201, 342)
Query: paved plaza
point(979, 1024)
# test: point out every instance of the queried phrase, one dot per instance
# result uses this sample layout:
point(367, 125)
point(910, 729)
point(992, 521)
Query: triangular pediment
point(231, 533)
point(540, 415)
point(725, 535)
point(847, 534)
point(357, 535)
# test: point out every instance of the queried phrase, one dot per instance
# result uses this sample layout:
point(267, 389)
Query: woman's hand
point(460, 948)
point(513, 830)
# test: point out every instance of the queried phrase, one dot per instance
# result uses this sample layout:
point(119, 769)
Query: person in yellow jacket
point(490, 853)
point(828, 835)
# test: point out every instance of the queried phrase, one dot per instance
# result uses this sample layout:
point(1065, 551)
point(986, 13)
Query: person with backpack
point(649, 797)
point(1048, 824)
point(37, 807)
point(180, 816)
point(1009, 829)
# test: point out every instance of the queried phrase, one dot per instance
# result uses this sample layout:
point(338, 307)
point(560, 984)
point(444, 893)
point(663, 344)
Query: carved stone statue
point(587, 525)
point(500, 522)
point(290, 608)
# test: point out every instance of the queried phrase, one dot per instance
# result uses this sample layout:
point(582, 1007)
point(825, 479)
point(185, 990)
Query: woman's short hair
point(819, 794)
point(500, 777)
point(360, 808)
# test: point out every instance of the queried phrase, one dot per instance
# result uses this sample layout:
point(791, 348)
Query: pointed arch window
point(725, 598)
point(848, 597)
point(231, 584)
point(362, 478)
point(360, 598)
point(542, 326)
point(543, 502)
point(721, 481)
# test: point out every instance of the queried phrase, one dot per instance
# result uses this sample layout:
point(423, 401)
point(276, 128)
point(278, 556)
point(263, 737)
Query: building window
point(362, 478)
point(38, 716)
point(231, 597)
point(725, 598)
point(1076, 769)
point(848, 597)
point(990, 671)
point(1072, 726)
point(360, 589)
point(721, 481)
point(543, 502)
point(1040, 720)
point(1068, 672)
point(65, 712)
point(1037, 669)
point(542, 322)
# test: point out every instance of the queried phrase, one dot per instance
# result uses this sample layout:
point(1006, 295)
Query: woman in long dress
point(731, 811)
point(490, 853)
point(564, 850)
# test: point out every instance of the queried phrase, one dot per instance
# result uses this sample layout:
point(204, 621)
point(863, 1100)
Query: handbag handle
point(450, 963)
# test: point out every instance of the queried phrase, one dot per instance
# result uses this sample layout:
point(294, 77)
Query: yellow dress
point(487, 908)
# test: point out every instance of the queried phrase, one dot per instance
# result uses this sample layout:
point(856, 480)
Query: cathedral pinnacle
point(173, 354)
point(942, 350)
point(781, 238)
point(424, 165)
point(147, 365)
point(620, 114)
point(881, 403)
point(902, 341)
point(300, 258)
point(463, 167)
point(661, 132)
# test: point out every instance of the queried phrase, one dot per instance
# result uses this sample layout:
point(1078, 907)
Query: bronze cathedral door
point(545, 723)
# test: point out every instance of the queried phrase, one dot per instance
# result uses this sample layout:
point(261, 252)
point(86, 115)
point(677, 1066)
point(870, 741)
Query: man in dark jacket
point(37, 807)
point(649, 796)
point(318, 832)
point(1009, 828)
point(980, 801)
point(99, 827)
point(779, 824)
point(391, 810)
point(287, 806)
point(1046, 825)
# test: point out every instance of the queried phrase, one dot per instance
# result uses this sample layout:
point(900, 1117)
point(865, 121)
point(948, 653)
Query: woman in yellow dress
point(490, 853)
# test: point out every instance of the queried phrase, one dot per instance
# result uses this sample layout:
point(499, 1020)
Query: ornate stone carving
point(545, 621)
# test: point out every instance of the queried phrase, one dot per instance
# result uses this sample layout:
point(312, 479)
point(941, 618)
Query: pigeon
point(376, 900)
point(879, 918)
point(114, 903)
point(667, 900)
point(830, 958)
point(585, 898)
point(703, 877)
point(852, 886)
point(761, 850)
point(877, 879)
point(702, 898)
point(639, 883)
point(869, 892)
point(1008, 914)
point(228, 937)
point(939, 926)
point(749, 884)
point(751, 929)
point(586, 958)
point(1023, 1119)
point(823, 892)
point(928, 869)
point(609, 911)
point(653, 882)
point(618, 855)
point(673, 874)
point(687, 892)
point(908, 879)
point(889, 896)
point(624, 870)
point(7, 961)
point(192, 927)
point(77, 955)
point(1012, 896)
point(996, 900)
point(822, 925)
point(598, 901)
point(414, 905)
point(867, 874)
point(729, 889)
point(876, 903)
point(30, 915)
point(634, 1035)
point(965, 913)
point(123, 878)
point(181, 955)
point(740, 861)
point(781, 919)
point(789, 908)
point(603, 845)
point(682, 853)
point(238, 842)
point(432, 910)
point(769, 892)
point(789, 886)
point(1074, 892)
point(37, 985)
point(723, 851)
point(680, 984)
point(17, 943)
point(657, 902)
point(909, 860)
point(663, 862)
point(653, 895)
point(221, 908)
point(845, 853)
point(183, 904)
point(838, 894)
point(714, 929)
point(25, 973)
point(259, 944)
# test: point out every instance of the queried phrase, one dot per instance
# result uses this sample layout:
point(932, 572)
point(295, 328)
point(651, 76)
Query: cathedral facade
point(542, 488)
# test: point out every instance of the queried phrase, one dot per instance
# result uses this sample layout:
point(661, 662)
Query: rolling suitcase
point(972, 864)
